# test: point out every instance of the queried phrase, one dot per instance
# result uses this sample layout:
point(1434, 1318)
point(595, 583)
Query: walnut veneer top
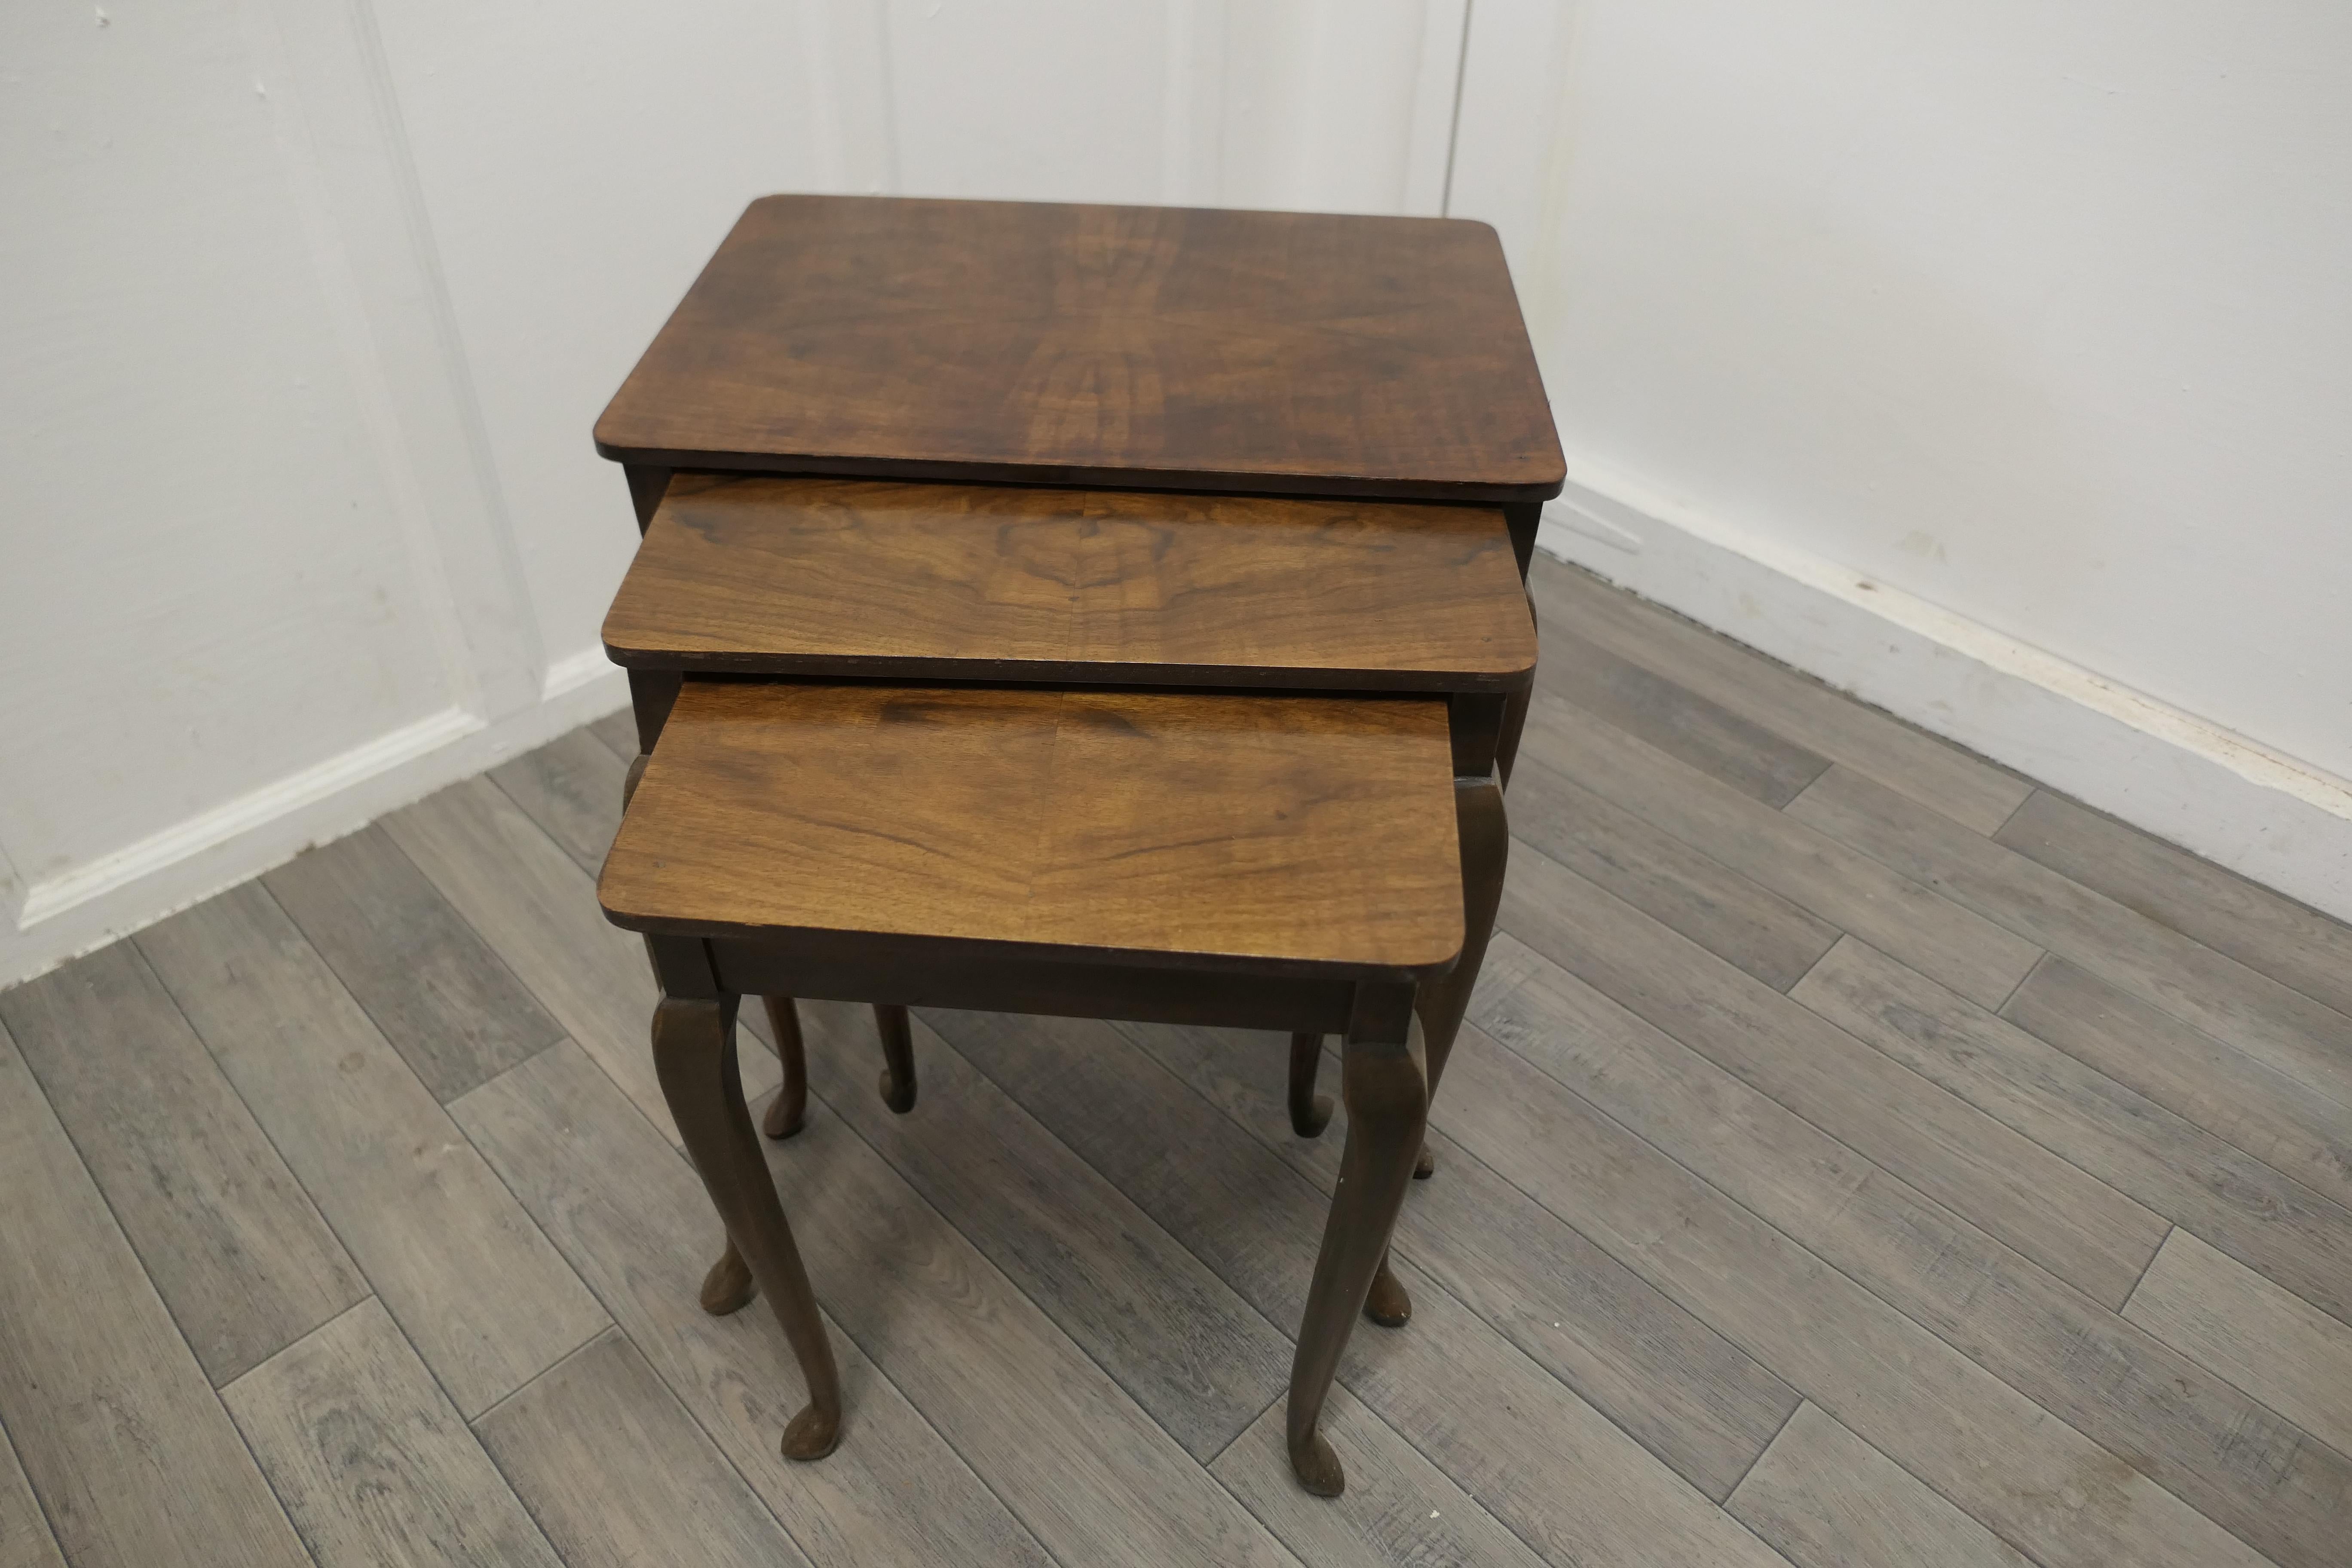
point(1302, 833)
point(845, 577)
point(1046, 343)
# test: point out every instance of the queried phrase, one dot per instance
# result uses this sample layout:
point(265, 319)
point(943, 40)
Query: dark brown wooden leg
point(728, 1287)
point(897, 1057)
point(1486, 840)
point(1386, 1105)
point(789, 1109)
point(1309, 1113)
point(1515, 724)
point(694, 1053)
point(1386, 1303)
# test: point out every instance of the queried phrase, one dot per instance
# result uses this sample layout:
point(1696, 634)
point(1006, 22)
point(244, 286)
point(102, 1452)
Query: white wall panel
point(209, 584)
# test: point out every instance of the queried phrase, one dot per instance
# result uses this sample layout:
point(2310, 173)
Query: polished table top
point(852, 577)
point(1310, 832)
point(1178, 348)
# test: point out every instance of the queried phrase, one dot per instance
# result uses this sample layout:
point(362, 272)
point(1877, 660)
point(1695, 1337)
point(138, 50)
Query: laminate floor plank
point(1828, 1500)
point(571, 787)
point(1200, 1359)
point(2242, 1465)
point(2009, 1464)
point(234, 1244)
point(630, 1214)
point(2070, 1223)
point(372, 1460)
point(1490, 1417)
point(133, 1457)
point(618, 1474)
point(538, 910)
point(1742, 754)
point(2214, 1086)
point(25, 1538)
point(2299, 1037)
point(1083, 1466)
point(2266, 1221)
point(1842, 887)
point(485, 1299)
point(1964, 788)
point(618, 731)
point(441, 997)
point(2291, 942)
point(1665, 878)
point(1676, 1385)
point(1399, 1509)
point(2269, 1341)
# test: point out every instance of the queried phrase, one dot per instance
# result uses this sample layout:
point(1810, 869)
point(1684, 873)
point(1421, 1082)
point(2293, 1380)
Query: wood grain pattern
point(2269, 1341)
point(841, 578)
point(2268, 932)
point(629, 1215)
point(2265, 1220)
point(2282, 1026)
point(372, 1460)
point(1677, 1388)
point(2077, 1228)
point(133, 1459)
point(230, 1239)
point(515, 885)
point(2219, 1088)
point(1232, 1201)
point(2234, 1462)
point(1979, 1442)
point(1291, 832)
point(25, 1538)
point(1202, 350)
point(1964, 788)
point(1665, 878)
point(1841, 886)
point(420, 1211)
point(1739, 753)
point(439, 994)
point(618, 1474)
point(1826, 1499)
point(1177, 1338)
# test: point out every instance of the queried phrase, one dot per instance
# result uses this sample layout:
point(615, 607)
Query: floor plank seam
point(1453, 1296)
point(40, 1503)
point(2155, 1003)
point(613, 1320)
point(1727, 1198)
point(1321, 1197)
point(1786, 1422)
point(172, 1317)
point(360, 1002)
point(1018, 1290)
point(1932, 1088)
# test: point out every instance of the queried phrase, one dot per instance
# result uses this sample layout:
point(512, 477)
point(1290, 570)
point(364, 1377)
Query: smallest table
point(1266, 861)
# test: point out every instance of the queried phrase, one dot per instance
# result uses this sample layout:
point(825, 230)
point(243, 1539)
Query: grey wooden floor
point(1858, 1157)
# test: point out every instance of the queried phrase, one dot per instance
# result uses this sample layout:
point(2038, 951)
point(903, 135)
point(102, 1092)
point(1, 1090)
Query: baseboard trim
point(89, 905)
point(2269, 816)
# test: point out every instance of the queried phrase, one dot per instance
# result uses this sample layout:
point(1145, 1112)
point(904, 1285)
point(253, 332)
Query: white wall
point(2033, 318)
point(308, 308)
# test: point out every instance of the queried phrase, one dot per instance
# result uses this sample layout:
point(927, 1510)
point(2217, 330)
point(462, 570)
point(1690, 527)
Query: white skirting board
point(2266, 817)
point(89, 905)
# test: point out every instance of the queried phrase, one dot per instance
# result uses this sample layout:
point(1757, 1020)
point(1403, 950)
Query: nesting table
point(1114, 611)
